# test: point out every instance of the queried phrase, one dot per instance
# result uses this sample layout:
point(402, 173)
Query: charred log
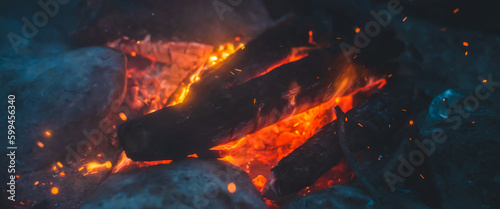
point(187, 128)
point(281, 44)
point(369, 124)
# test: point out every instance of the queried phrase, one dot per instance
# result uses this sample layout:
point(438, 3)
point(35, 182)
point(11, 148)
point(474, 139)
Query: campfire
point(296, 106)
point(252, 109)
point(311, 81)
point(263, 148)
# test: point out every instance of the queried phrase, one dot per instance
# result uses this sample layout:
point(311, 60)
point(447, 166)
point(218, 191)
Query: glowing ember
point(54, 190)
point(124, 163)
point(296, 54)
point(48, 133)
point(193, 155)
point(311, 40)
point(154, 99)
point(259, 181)
point(231, 187)
point(123, 116)
point(258, 152)
point(95, 167)
point(40, 144)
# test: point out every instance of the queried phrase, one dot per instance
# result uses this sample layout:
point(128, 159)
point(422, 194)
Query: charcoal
point(177, 131)
point(371, 123)
point(278, 45)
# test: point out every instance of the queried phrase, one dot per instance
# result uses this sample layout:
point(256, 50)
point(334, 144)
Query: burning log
point(284, 43)
point(188, 128)
point(370, 123)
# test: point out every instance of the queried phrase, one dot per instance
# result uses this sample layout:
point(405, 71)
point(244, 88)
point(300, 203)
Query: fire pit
point(249, 104)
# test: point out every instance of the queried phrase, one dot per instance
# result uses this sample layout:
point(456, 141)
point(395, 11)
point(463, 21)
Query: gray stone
point(346, 197)
point(191, 183)
point(65, 95)
point(438, 110)
point(465, 159)
point(340, 196)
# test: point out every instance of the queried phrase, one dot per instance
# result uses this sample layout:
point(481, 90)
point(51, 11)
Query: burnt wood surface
point(371, 123)
point(184, 129)
point(276, 46)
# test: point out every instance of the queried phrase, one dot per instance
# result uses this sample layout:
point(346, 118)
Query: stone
point(59, 99)
point(191, 183)
point(438, 109)
point(345, 197)
point(340, 196)
point(464, 159)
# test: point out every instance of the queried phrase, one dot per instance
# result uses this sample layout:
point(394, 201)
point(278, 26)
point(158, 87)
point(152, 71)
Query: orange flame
point(124, 163)
point(258, 152)
point(94, 167)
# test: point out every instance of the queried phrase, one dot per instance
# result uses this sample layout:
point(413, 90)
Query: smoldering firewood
point(369, 124)
point(349, 156)
point(188, 55)
point(184, 129)
point(281, 44)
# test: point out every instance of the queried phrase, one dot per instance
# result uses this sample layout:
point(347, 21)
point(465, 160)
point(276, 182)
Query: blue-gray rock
point(57, 98)
point(192, 183)
point(464, 159)
point(347, 197)
point(341, 197)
